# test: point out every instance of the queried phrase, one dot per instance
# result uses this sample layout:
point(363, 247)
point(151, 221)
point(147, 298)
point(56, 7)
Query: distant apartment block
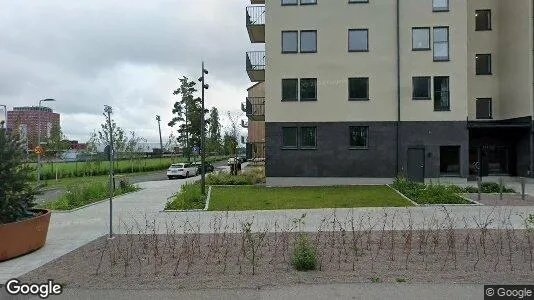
point(25, 120)
point(381, 88)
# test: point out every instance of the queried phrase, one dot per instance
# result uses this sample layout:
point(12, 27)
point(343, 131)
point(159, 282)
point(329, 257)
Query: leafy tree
point(119, 138)
point(214, 137)
point(56, 143)
point(16, 194)
point(134, 148)
point(188, 112)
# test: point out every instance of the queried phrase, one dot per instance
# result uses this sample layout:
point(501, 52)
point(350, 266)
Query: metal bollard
point(522, 188)
point(501, 185)
point(479, 183)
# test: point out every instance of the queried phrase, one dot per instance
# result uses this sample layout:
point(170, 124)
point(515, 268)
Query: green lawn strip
point(189, 197)
point(66, 182)
point(91, 191)
point(430, 193)
point(264, 198)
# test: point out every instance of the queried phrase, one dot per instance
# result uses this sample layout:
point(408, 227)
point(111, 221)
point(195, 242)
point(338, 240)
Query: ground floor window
point(449, 162)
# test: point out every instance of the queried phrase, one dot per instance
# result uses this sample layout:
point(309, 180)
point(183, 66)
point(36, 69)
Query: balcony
point(243, 124)
point(255, 64)
point(256, 23)
point(255, 108)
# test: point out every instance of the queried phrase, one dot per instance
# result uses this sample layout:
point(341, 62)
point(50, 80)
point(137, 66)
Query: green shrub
point(304, 256)
point(83, 194)
point(488, 187)
point(228, 179)
point(432, 193)
point(189, 197)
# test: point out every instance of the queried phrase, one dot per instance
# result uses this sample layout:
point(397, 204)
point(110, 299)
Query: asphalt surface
point(53, 194)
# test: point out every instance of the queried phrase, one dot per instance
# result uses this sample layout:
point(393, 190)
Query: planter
point(24, 236)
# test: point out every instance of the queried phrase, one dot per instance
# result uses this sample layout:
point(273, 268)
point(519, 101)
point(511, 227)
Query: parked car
point(181, 170)
point(209, 167)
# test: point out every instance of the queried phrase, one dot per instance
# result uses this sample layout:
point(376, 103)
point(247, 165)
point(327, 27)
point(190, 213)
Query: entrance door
point(416, 164)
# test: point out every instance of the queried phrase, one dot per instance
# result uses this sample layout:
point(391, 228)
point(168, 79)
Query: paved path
point(317, 291)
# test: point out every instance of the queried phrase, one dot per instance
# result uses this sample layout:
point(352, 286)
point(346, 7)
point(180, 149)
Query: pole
point(202, 140)
point(5, 116)
point(108, 110)
point(158, 118)
point(39, 144)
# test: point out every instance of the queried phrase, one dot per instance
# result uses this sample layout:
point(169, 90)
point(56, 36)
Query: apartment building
point(378, 88)
point(254, 107)
point(26, 120)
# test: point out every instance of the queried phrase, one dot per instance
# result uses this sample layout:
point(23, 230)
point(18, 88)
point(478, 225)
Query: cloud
point(127, 54)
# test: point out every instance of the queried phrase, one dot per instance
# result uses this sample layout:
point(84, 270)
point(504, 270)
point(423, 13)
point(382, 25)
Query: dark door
point(416, 164)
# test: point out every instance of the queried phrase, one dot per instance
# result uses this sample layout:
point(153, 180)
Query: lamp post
point(5, 115)
point(108, 111)
point(158, 118)
point(39, 139)
point(203, 134)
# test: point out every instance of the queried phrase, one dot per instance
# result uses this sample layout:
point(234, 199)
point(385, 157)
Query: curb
point(208, 197)
point(403, 196)
point(473, 202)
point(91, 204)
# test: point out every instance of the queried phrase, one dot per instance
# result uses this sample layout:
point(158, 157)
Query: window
point(359, 137)
point(441, 43)
point(358, 1)
point(421, 88)
point(449, 160)
point(308, 2)
point(308, 41)
point(358, 40)
point(421, 38)
point(290, 41)
point(440, 5)
point(289, 2)
point(308, 137)
point(359, 88)
point(308, 89)
point(289, 137)
point(441, 94)
point(484, 108)
point(483, 20)
point(483, 64)
point(290, 89)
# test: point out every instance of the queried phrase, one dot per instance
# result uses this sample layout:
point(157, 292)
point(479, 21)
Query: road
point(53, 194)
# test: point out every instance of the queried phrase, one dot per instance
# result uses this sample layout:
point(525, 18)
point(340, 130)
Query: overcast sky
point(125, 53)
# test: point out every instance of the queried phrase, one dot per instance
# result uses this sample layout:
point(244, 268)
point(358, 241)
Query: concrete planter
point(24, 236)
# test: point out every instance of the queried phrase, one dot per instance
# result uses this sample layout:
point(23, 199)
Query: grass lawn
point(263, 198)
point(67, 182)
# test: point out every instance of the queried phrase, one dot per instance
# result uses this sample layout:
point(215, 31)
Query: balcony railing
point(255, 15)
point(255, 65)
point(255, 20)
point(255, 108)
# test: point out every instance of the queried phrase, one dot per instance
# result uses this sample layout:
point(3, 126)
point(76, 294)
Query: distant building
point(25, 120)
point(76, 146)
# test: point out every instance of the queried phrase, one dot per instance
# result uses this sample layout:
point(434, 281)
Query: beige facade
point(510, 85)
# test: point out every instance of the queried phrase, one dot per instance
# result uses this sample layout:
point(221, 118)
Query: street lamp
point(5, 115)
point(158, 118)
point(108, 110)
point(39, 139)
point(203, 135)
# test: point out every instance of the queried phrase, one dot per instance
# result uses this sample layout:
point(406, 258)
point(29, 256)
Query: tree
point(188, 113)
point(119, 138)
point(16, 193)
point(231, 139)
point(134, 147)
point(214, 137)
point(56, 143)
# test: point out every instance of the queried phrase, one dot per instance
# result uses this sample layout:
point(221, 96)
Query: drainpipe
point(531, 152)
point(398, 91)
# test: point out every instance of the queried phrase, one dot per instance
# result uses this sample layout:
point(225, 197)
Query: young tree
point(56, 143)
point(119, 138)
point(134, 148)
point(232, 134)
point(16, 193)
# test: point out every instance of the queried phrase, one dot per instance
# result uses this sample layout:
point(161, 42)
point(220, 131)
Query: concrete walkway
point(68, 231)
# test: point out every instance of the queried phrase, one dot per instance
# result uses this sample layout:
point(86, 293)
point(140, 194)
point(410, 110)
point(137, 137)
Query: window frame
point(300, 90)
point(300, 41)
point(366, 30)
point(490, 116)
point(301, 136)
point(429, 78)
point(296, 138)
point(441, 59)
point(488, 68)
point(490, 20)
point(353, 147)
point(429, 39)
point(289, 4)
point(297, 88)
point(309, 3)
point(349, 89)
point(358, 1)
point(441, 9)
point(448, 108)
point(296, 44)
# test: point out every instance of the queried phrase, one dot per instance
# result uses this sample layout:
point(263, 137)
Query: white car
point(182, 170)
